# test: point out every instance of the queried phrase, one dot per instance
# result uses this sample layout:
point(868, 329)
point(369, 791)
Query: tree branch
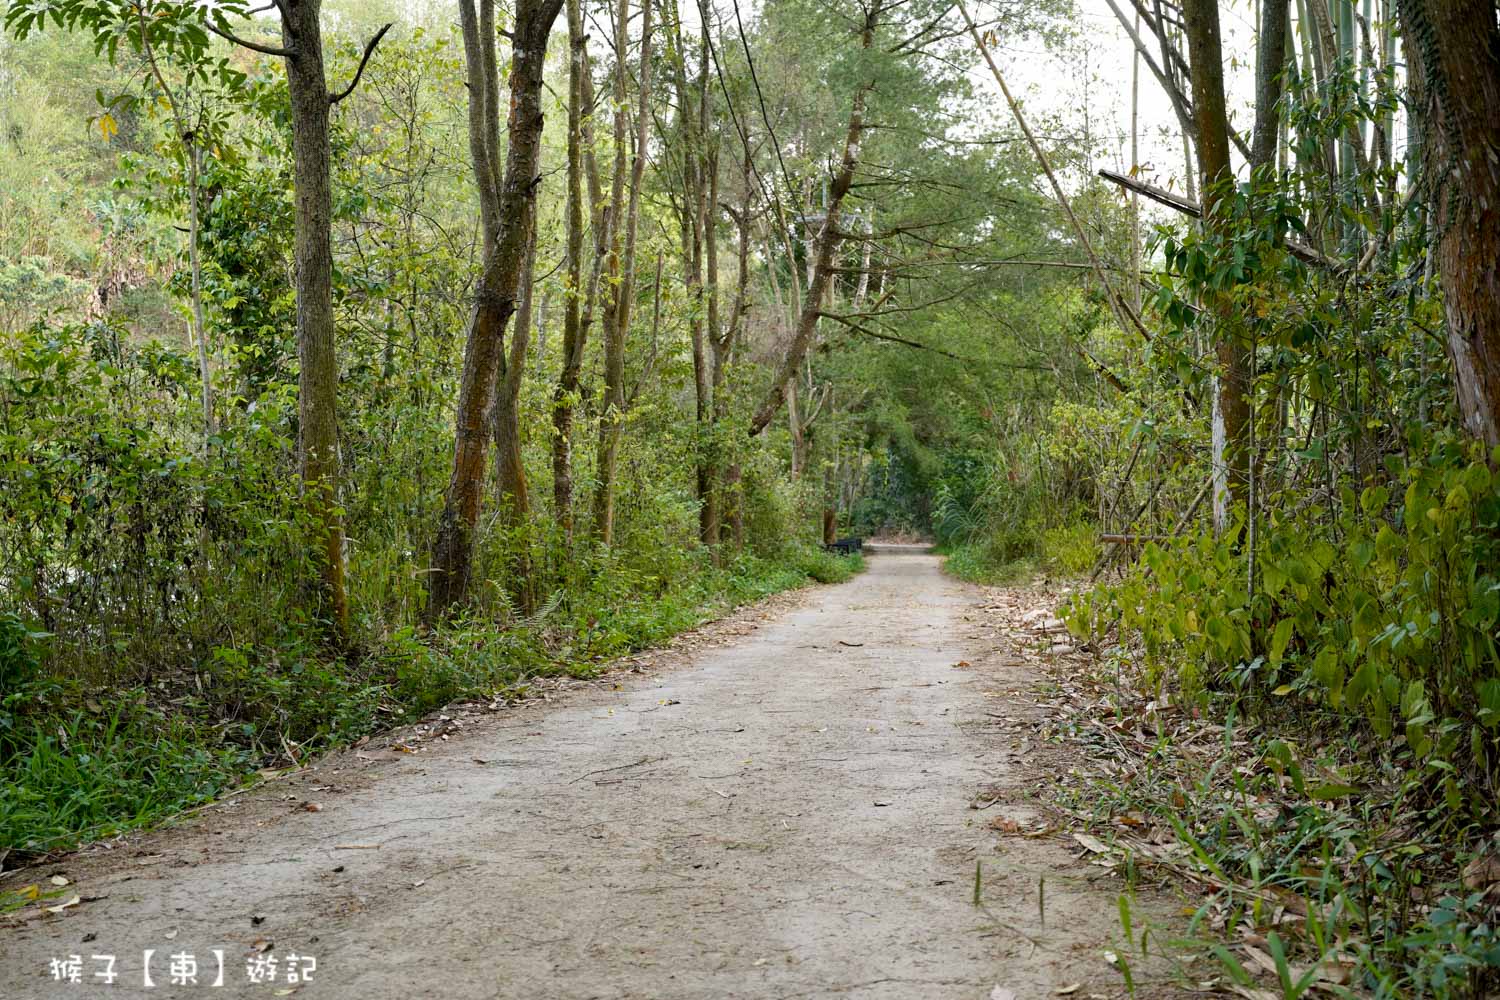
point(893, 339)
point(1186, 206)
point(227, 35)
point(369, 50)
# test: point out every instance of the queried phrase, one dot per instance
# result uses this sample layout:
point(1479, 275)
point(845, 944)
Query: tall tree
point(508, 221)
point(621, 288)
point(575, 334)
point(1231, 416)
point(318, 376)
point(1453, 49)
point(1270, 66)
point(826, 245)
point(180, 22)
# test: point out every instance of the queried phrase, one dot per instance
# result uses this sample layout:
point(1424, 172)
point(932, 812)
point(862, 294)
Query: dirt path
point(788, 814)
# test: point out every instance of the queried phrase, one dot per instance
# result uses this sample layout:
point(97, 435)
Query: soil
point(792, 803)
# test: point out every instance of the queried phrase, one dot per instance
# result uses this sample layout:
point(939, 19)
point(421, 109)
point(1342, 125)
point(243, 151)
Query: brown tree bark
point(1232, 406)
point(1270, 65)
point(317, 380)
point(622, 269)
point(830, 236)
point(1453, 50)
point(734, 493)
point(575, 334)
point(508, 213)
point(510, 470)
point(700, 252)
point(718, 341)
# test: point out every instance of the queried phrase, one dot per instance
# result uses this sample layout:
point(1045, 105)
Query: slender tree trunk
point(830, 478)
point(1270, 64)
point(510, 467)
point(734, 490)
point(509, 226)
point(617, 314)
point(317, 381)
point(795, 429)
point(826, 246)
point(1135, 162)
point(705, 323)
point(1231, 418)
point(1453, 50)
point(510, 470)
point(713, 487)
point(200, 328)
point(574, 333)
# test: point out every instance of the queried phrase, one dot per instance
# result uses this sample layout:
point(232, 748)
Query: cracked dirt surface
point(786, 813)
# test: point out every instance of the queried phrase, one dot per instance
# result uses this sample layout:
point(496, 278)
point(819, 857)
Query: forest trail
point(786, 814)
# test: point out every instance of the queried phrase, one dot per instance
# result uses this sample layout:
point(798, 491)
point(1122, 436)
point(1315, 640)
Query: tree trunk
point(1231, 417)
point(574, 333)
point(1453, 49)
point(829, 238)
point(734, 493)
point(622, 270)
point(317, 380)
point(509, 230)
point(830, 505)
point(794, 428)
point(708, 374)
point(712, 510)
point(510, 470)
point(1270, 63)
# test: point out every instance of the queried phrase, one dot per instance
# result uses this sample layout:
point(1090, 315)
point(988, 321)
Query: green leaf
point(1279, 639)
point(1362, 683)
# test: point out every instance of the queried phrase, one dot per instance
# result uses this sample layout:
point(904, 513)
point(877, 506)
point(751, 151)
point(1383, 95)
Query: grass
point(1004, 561)
point(1306, 855)
point(131, 758)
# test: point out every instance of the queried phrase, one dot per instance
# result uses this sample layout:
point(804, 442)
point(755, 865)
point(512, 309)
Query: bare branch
point(369, 50)
point(1186, 206)
point(227, 35)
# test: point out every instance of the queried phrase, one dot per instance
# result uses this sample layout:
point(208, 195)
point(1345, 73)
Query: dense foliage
point(552, 331)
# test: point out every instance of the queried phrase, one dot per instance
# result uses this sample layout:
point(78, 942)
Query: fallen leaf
point(63, 906)
point(58, 880)
point(1252, 993)
point(1094, 844)
point(1067, 990)
point(1482, 872)
point(312, 807)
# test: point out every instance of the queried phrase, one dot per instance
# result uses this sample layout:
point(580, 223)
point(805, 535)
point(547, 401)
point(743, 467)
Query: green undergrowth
point(1304, 860)
point(1066, 551)
point(1337, 752)
point(81, 762)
